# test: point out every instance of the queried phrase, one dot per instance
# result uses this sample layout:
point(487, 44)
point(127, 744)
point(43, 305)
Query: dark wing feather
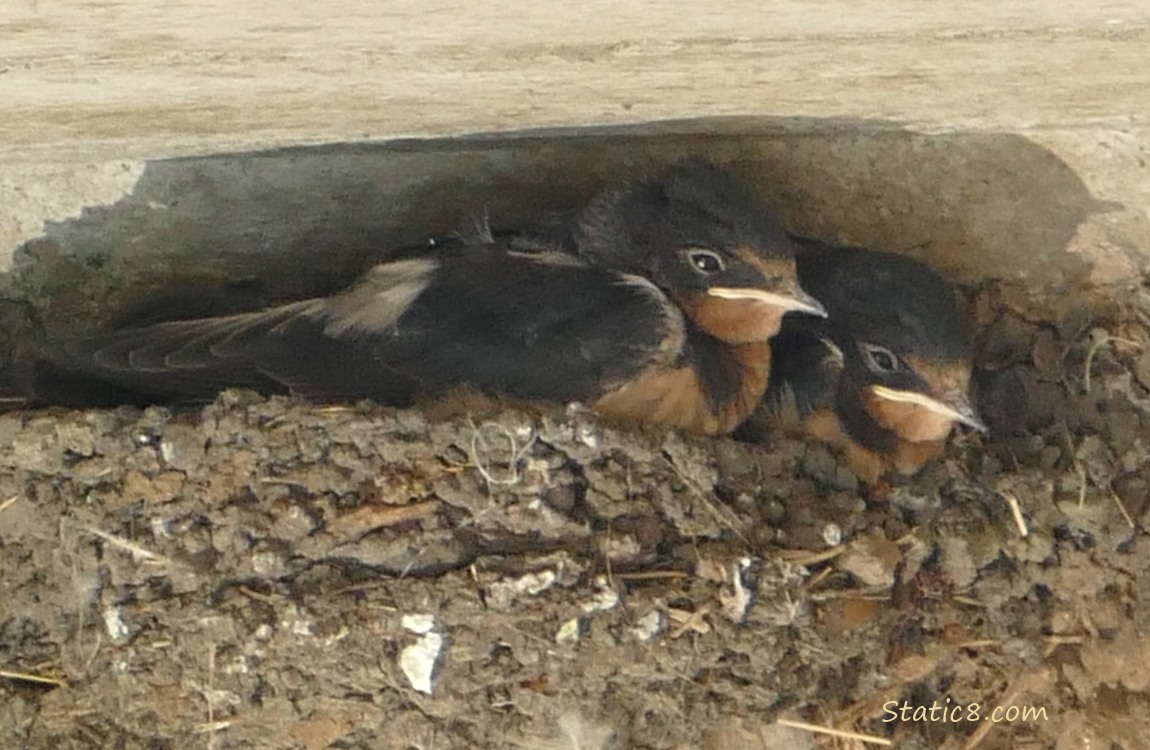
point(805, 371)
point(532, 327)
point(526, 326)
point(178, 360)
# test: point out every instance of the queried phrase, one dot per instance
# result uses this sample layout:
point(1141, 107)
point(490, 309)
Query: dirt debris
point(246, 574)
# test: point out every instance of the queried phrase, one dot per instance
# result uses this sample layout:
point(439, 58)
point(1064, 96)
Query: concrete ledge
point(106, 80)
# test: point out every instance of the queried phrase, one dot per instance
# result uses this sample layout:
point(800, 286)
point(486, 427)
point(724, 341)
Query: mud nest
point(261, 573)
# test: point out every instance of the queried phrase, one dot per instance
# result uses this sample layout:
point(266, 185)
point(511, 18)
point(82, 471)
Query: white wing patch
point(834, 357)
point(376, 303)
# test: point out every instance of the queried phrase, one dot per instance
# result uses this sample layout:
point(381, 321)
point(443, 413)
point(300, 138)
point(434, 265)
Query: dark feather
point(524, 325)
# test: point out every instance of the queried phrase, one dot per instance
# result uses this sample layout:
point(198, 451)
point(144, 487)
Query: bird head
point(702, 236)
point(914, 396)
point(906, 365)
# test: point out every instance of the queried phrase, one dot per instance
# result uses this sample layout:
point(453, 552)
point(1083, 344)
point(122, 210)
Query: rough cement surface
point(151, 79)
point(265, 574)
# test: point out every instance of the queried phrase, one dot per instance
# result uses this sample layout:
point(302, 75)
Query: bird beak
point(792, 300)
point(954, 406)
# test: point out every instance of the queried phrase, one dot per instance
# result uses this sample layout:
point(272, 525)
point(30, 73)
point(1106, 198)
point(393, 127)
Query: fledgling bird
point(661, 315)
point(885, 376)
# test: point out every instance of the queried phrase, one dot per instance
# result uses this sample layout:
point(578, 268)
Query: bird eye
point(705, 261)
point(879, 359)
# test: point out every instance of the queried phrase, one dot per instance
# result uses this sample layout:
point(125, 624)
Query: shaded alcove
point(232, 231)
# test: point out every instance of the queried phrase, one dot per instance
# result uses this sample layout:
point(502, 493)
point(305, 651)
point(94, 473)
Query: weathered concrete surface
point(151, 78)
point(1029, 159)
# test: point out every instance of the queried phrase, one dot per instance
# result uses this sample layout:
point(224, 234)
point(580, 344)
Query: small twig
point(805, 559)
point(368, 518)
point(7, 503)
point(1054, 641)
point(1135, 344)
point(25, 677)
point(361, 587)
point(819, 577)
point(606, 550)
point(1095, 344)
point(1121, 509)
point(864, 595)
point(1063, 640)
point(335, 409)
point(126, 545)
point(212, 725)
point(910, 537)
point(815, 728)
point(652, 575)
point(689, 622)
point(257, 596)
point(1016, 511)
point(211, 728)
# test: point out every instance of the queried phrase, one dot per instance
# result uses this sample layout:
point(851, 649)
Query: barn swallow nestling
point(886, 375)
point(661, 315)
